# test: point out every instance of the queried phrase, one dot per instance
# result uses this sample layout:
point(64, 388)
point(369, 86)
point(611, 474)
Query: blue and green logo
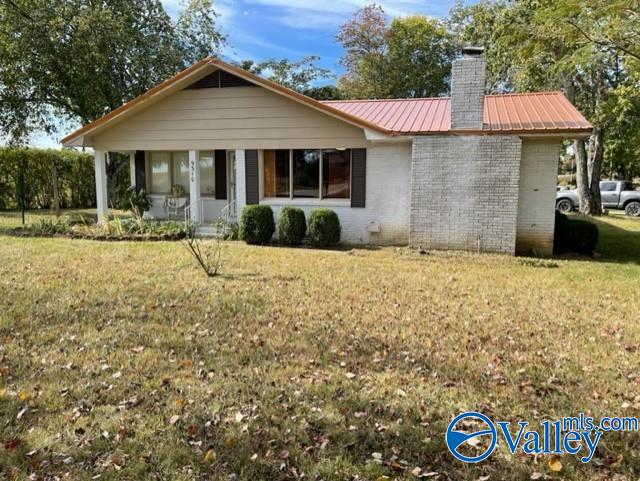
point(457, 435)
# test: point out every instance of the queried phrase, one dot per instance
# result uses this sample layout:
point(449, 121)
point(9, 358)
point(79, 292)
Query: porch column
point(101, 185)
point(132, 168)
point(241, 184)
point(194, 186)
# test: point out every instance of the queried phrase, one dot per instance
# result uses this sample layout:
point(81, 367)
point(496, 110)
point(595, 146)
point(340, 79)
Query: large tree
point(533, 45)
point(410, 57)
point(78, 59)
point(299, 75)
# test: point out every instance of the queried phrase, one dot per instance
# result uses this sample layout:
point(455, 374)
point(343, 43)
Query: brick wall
point(464, 192)
point(536, 206)
point(467, 92)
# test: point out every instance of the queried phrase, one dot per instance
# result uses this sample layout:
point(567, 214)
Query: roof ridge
point(523, 94)
point(384, 100)
point(510, 94)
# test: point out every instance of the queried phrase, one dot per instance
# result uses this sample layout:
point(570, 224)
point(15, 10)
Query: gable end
point(219, 79)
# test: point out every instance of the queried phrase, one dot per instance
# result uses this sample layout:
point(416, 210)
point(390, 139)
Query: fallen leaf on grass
point(174, 419)
point(209, 456)
point(12, 444)
point(555, 464)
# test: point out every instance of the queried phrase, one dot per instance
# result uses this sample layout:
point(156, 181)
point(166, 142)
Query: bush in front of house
point(292, 225)
point(324, 227)
point(137, 201)
point(574, 235)
point(256, 224)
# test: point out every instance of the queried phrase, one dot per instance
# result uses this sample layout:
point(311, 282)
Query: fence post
point(21, 182)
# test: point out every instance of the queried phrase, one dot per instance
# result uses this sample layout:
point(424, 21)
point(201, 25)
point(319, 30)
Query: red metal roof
point(545, 112)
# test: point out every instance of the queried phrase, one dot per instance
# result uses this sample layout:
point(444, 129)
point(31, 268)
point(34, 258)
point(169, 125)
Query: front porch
point(196, 185)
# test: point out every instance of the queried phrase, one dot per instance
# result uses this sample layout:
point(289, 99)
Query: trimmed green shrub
point(256, 224)
point(574, 235)
point(324, 227)
point(292, 225)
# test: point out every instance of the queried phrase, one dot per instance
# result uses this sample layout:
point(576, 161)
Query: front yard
point(123, 361)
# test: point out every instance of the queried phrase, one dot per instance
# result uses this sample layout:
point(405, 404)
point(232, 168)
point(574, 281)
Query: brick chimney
point(468, 78)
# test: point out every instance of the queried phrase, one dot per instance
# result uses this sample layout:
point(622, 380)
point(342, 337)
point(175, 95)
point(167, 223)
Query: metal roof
point(544, 112)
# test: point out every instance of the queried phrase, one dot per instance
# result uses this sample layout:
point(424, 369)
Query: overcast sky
point(262, 29)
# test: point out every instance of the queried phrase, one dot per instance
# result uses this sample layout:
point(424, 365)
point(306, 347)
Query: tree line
point(78, 59)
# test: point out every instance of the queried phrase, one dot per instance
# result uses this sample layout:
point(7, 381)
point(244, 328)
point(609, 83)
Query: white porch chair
point(175, 206)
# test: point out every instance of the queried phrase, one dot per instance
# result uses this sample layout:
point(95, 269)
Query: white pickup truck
point(615, 194)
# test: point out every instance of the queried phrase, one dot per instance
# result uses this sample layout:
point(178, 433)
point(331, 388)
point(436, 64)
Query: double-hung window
point(307, 173)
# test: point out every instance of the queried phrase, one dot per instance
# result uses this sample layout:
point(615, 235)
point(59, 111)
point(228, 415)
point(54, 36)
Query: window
point(207, 174)
point(297, 173)
point(181, 170)
point(160, 173)
point(276, 173)
point(608, 186)
point(306, 173)
point(336, 174)
point(169, 169)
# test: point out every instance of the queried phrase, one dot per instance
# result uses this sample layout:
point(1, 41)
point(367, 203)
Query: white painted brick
point(536, 206)
point(387, 201)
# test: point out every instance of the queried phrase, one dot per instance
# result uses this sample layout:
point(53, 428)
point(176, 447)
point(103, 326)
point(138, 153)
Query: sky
point(263, 29)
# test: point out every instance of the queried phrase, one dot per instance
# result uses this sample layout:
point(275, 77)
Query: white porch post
point(132, 168)
point(241, 185)
point(101, 185)
point(194, 186)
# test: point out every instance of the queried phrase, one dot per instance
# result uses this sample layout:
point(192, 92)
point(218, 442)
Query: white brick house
point(473, 171)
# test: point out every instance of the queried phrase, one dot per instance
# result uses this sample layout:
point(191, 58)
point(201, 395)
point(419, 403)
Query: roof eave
point(569, 133)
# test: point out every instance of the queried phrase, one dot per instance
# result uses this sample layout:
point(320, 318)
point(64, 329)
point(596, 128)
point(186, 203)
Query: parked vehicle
point(615, 194)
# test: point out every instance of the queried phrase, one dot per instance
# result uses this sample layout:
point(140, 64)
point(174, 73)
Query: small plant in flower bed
point(46, 227)
point(134, 228)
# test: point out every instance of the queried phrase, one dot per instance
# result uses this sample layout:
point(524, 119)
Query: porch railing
point(228, 213)
point(187, 212)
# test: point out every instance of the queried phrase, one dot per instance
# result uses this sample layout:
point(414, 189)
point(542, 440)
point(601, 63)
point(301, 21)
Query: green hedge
point(256, 224)
point(292, 225)
point(324, 227)
point(74, 171)
point(574, 235)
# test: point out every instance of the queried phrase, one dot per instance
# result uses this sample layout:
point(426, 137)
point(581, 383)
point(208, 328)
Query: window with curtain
point(207, 174)
point(160, 172)
point(276, 173)
point(306, 173)
point(181, 170)
point(336, 173)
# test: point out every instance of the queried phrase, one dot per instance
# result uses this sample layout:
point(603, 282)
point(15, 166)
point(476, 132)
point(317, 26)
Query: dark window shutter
point(141, 181)
point(221, 174)
point(251, 176)
point(358, 177)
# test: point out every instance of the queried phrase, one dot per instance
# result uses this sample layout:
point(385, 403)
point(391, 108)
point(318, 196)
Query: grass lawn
point(124, 361)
